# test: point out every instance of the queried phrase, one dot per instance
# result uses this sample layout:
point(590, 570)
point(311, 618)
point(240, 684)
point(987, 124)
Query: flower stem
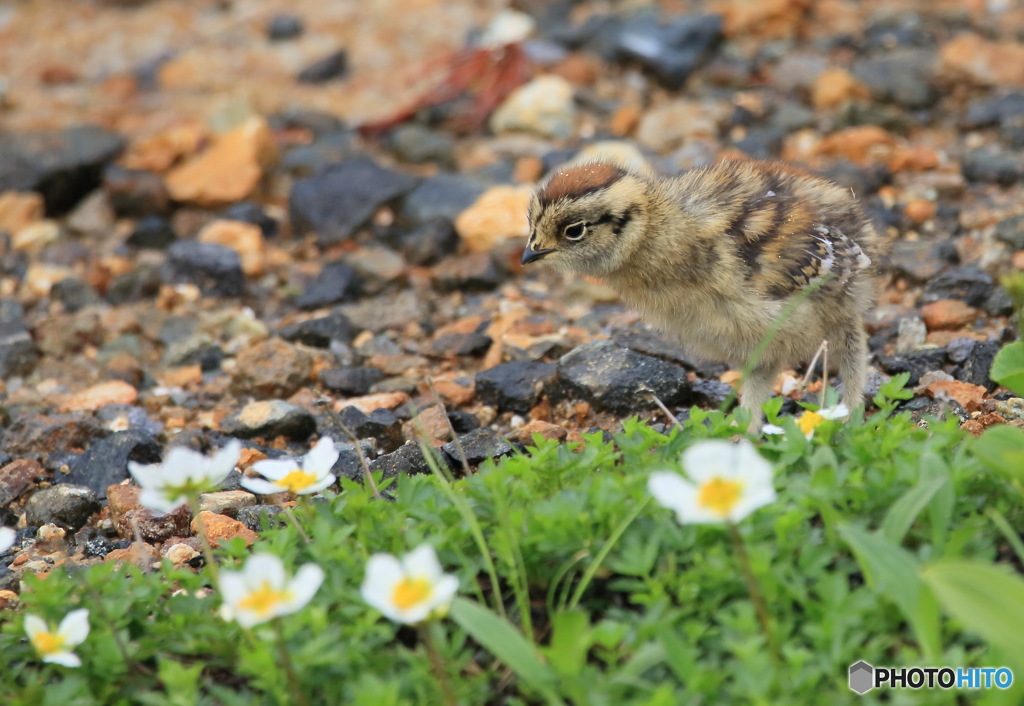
point(298, 694)
point(437, 664)
point(295, 522)
point(755, 594)
point(204, 540)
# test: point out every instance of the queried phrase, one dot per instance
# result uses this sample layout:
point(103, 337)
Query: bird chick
point(711, 257)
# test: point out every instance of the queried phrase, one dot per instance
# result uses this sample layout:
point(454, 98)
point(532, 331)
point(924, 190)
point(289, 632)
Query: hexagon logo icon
point(861, 677)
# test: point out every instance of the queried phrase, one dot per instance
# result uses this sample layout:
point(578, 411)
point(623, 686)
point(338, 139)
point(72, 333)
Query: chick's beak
point(531, 255)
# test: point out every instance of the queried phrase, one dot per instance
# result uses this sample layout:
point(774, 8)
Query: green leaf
point(505, 643)
point(1008, 367)
point(570, 642)
point(905, 510)
point(892, 571)
point(986, 598)
point(1001, 448)
point(181, 682)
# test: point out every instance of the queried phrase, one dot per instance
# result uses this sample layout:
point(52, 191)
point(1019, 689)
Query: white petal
point(157, 501)
point(75, 627)
point(837, 412)
point(275, 470)
point(415, 614)
point(321, 484)
point(7, 538)
point(304, 586)
point(249, 618)
point(670, 490)
point(260, 486)
point(65, 659)
point(709, 459)
point(181, 465)
point(772, 429)
point(224, 461)
point(751, 466)
point(383, 571)
point(320, 459)
point(34, 625)
point(263, 567)
point(751, 500)
point(147, 476)
point(422, 562)
point(232, 587)
point(444, 592)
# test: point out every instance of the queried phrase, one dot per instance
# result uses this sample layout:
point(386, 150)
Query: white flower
point(409, 590)
point(809, 421)
point(7, 538)
point(56, 646)
point(286, 476)
point(184, 474)
point(261, 591)
point(726, 483)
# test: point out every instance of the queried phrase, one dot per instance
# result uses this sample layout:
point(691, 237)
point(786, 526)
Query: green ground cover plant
point(888, 542)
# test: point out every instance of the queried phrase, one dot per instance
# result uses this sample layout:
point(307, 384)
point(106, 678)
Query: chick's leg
point(757, 388)
point(851, 349)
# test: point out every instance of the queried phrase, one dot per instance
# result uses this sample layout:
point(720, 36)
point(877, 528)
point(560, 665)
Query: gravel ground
point(221, 220)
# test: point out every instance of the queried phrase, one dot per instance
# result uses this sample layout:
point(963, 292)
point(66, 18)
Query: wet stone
point(337, 282)
point(135, 192)
point(967, 283)
point(270, 418)
point(64, 505)
point(215, 269)
point(353, 382)
point(479, 445)
point(459, 344)
point(152, 233)
point(515, 386)
point(326, 69)
point(319, 333)
point(105, 463)
point(441, 196)
point(617, 380)
point(336, 203)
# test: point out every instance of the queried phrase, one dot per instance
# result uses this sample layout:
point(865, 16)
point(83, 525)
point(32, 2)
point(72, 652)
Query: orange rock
point(434, 423)
point(159, 152)
point(864, 144)
point(454, 392)
point(528, 170)
point(983, 62)
point(8, 599)
point(548, 431)
point(943, 338)
point(56, 74)
point(947, 314)
point(730, 377)
point(368, 403)
point(467, 324)
point(19, 209)
point(1018, 259)
point(625, 119)
point(836, 86)
point(140, 554)
point(91, 399)
point(221, 528)
point(577, 68)
point(182, 377)
point(969, 396)
point(913, 159)
point(245, 239)
point(500, 213)
point(229, 170)
point(774, 19)
point(920, 210)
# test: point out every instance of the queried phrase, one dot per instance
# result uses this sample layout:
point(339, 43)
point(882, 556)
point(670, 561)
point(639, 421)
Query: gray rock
point(63, 166)
point(382, 425)
point(215, 269)
point(516, 386)
point(152, 233)
point(252, 213)
point(141, 283)
point(916, 260)
point(615, 379)
point(18, 352)
point(415, 143)
point(135, 192)
point(477, 272)
point(337, 282)
point(432, 241)
point(791, 116)
point(326, 69)
point(1011, 232)
point(353, 382)
point(319, 333)
point(911, 334)
point(15, 478)
point(329, 148)
point(670, 50)
point(479, 445)
point(960, 350)
point(917, 363)
point(999, 303)
point(441, 196)
point(902, 76)
point(106, 462)
point(281, 27)
point(262, 517)
point(32, 434)
point(710, 393)
point(992, 167)
point(976, 367)
point(270, 418)
point(348, 464)
point(459, 344)
point(650, 343)
point(407, 459)
point(64, 505)
point(74, 294)
point(342, 199)
point(967, 283)
point(389, 311)
point(134, 417)
point(993, 111)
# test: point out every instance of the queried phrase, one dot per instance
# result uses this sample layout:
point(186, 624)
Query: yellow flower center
point(296, 481)
point(263, 600)
point(809, 421)
point(720, 496)
point(47, 643)
point(409, 592)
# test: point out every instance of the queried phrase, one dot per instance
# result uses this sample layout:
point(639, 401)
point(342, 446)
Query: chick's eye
point(575, 231)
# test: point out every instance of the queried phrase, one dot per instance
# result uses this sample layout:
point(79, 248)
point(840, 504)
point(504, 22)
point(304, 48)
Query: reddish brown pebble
point(221, 528)
point(947, 314)
point(548, 431)
point(967, 395)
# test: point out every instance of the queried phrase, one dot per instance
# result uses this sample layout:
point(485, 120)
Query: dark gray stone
point(863, 180)
point(762, 142)
point(63, 166)
point(457, 344)
point(270, 418)
point(353, 382)
point(215, 269)
point(479, 445)
point(64, 505)
point(18, 352)
point(960, 350)
point(477, 272)
point(463, 422)
point(903, 76)
point(136, 417)
point(987, 112)
point(415, 143)
point(316, 121)
point(31, 434)
point(152, 233)
point(710, 393)
point(320, 332)
point(618, 380)
point(791, 115)
point(516, 386)
point(917, 363)
point(337, 282)
point(432, 241)
point(999, 303)
point(917, 260)
point(1011, 232)
point(260, 517)
point(336, 203)
point(326, 151)
point(650, 343)
point(281, 27)
point(74, 294)
point(326, 69)
point(992, 167)
point(976, 367)
point(105, 463)
point(253, 213)
point(967, 283)
point(349, 464)
point(407, 459)
point(670, 50)
point(441, 196)
point(134, 192)
point(381, 425)
point(141, 283)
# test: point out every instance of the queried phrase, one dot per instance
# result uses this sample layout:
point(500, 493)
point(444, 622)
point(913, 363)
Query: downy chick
point(711, 257)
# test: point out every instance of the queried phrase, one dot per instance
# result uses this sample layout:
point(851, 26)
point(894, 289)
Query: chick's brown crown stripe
point(576, 182)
